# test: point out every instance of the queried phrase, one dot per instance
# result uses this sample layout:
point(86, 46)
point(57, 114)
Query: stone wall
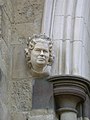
point(66, 23)
point(5, 38)
point(19, 19)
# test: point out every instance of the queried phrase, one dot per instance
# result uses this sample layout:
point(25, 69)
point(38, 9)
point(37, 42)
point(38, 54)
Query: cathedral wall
point(67, 23)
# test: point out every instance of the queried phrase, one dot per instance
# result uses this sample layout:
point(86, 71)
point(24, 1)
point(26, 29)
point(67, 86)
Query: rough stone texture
point(5, 27)
point(20, 32)
point(27, 17)
point(19, 116)
point(42, 115)
point(27, 10)
point(6, 23)
point(20, 95)
point(19, 19)
point(4, 113)
point(38, 115)
point(19, 67)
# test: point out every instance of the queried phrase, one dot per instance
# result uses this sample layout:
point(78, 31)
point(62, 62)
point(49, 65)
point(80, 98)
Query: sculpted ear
point(51, 60)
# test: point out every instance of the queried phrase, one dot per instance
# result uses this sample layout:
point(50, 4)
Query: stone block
point(68, 28)
point(27, 11)
point(20, 91)
point(86, 11)
point(8, 9)
point(4, 57)
point(19, 66)
point(42, 114)
point(58, 27)
point(78, 29)
point(57, 66)
point(80, 7)
point(85, 64)
point(18, 116)
point(5, 52)
point(3, 88)
point(47, 16)
point(20, 32)
point(42, 117)
point(60, 7)
point(70, 7)
point(6, 28)
point(67, 56)
point(77, 57)
point(2, 65)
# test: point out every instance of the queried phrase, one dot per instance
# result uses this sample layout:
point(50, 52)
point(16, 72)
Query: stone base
point(43, 117)
point(19, 116)
point(42, 114)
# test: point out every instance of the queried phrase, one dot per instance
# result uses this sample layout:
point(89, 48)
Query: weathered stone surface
point(20, 95)
point(27, 10)
point(4, 114)
point(39, 55)
point(3, 88)
point(6, 29)
point(8, 9)
point(42, 114)
point(42, 117)
point(19, 116)
point(5, 52)
point(19, 67)
point(23, 31)
point(19, 19)
point(28, 116)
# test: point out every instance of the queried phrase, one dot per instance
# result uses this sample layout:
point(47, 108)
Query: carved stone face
point(40, 55)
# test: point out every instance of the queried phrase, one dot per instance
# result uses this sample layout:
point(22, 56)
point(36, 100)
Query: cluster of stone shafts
point(69, 93)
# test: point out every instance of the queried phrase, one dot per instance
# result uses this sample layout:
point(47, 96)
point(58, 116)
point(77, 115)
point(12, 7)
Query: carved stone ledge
point(68, 92)
point(72, 85)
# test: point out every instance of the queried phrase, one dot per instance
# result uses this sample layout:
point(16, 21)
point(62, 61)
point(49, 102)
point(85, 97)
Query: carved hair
point(30, 46)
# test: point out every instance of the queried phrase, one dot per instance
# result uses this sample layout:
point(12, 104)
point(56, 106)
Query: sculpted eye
point(45, 51)
point(38, 50)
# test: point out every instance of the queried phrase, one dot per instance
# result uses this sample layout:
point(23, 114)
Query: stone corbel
point(69, 91)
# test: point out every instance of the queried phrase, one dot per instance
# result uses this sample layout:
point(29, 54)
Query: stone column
point(67, 109)
point(67, 23)
point(68, 92)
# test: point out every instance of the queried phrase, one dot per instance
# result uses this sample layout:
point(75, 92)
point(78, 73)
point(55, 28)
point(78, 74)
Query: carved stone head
point(39, 53)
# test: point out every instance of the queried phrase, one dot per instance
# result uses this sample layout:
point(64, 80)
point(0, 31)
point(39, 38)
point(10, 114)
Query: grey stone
point(20, 95)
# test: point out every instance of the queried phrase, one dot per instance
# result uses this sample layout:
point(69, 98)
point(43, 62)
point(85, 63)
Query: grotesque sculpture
point(39, 54)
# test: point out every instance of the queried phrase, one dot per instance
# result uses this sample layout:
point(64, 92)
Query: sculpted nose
point(41, 53)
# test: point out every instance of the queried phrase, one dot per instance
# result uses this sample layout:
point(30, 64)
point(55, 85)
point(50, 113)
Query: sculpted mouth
point(41, 59)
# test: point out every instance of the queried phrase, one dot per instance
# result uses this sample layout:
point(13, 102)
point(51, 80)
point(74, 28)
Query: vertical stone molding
point(68, 26)
point(47, 17)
